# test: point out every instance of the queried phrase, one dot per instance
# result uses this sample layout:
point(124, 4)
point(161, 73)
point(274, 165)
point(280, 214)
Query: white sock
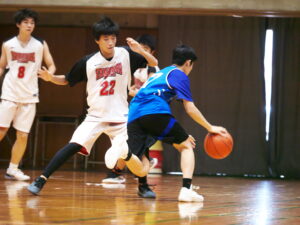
point(13, 166)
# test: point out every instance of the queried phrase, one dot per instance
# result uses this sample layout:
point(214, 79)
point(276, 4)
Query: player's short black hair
point(182, 53)
point(105, 26)
point(147, 39)
point(25, 13)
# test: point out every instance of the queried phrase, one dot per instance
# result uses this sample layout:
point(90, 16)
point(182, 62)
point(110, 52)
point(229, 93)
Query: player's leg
point(169, 131)
point(57, 161)
point(139, 143)
point(144, 190)
point(18, 150)
point(22, 122)
point(7, 113)
point(81, 142)
point(187, 194)
point(119, 149)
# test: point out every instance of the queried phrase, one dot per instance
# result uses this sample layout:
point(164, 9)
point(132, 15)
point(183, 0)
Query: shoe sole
point(8, 177)
point(141, 195)
point(113, 182)
point(33, 192)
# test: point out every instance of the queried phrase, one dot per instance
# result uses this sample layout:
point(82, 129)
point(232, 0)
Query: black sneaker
point(36, 186)
point(146, 192)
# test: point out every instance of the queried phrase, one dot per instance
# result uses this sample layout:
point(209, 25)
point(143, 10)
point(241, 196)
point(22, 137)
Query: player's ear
point(188, 62)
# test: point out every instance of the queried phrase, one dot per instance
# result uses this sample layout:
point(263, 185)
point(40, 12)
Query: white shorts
point(90, 129)
point(22, 115)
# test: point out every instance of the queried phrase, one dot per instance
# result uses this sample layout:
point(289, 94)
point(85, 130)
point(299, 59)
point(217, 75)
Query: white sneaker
point(188, 195)
point(114, 180)
point(16, 174)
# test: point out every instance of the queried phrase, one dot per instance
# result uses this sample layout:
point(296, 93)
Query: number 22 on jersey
point(108, 88)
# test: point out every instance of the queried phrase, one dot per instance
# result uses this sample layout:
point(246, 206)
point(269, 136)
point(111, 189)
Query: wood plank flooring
point(80, 198)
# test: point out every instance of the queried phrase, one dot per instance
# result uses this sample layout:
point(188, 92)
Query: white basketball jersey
point(141, 76)
point(21, 82)
point(107, 84)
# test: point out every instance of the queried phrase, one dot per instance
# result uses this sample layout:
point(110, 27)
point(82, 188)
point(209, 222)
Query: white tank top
point(21, 82)
point(107, 84)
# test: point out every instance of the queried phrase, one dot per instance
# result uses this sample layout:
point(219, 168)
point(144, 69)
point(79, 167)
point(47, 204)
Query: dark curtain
point(227, 85)
point(285, 116)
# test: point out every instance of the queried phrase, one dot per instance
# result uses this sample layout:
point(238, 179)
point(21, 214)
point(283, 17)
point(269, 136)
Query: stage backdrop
point(285, 123)
point(227, 85)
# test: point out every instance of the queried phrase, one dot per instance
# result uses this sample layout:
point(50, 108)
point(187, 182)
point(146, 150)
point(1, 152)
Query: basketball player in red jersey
point(108, 76)
point(22, 55)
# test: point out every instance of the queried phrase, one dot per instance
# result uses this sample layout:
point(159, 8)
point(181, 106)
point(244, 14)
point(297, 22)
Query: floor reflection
point(15, 206)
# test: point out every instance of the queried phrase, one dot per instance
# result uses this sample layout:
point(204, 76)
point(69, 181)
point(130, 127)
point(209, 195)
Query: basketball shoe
point(16, 174)
point(145, 191)
point(114, 178)
point(36, 186)
point(188, 195)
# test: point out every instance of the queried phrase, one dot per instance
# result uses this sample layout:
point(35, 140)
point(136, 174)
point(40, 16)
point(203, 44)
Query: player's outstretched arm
point(47, 76)
point(136, 47)
point(197, 116)
point(3, 61)
point(48, 59)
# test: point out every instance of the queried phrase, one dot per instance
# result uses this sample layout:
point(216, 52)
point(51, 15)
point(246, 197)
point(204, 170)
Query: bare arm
point(136, 47)
point(48, 59)
point(197, 116)
point(56, 79)
point(3, 61)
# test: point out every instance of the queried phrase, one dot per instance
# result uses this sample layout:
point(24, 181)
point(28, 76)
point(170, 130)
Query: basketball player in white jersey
point(22, 55)
point(108, 76)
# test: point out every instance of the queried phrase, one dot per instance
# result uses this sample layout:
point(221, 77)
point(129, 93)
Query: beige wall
point(215, 7)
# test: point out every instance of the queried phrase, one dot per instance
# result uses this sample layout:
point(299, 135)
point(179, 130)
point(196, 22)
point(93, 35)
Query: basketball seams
point(215, 154)
point(213, 139)
point(218, 146)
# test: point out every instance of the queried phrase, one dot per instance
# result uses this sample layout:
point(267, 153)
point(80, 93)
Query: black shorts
point(146, 130)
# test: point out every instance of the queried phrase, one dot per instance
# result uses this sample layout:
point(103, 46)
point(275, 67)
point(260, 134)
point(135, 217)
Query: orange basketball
point(218, 146)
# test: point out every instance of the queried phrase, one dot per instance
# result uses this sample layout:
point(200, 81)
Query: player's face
point(106, 44)
point(26, 26)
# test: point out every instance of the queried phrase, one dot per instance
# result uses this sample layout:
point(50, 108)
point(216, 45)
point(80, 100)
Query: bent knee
point(185, 145)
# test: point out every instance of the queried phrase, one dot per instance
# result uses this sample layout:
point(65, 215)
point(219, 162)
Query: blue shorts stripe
point(168, 128)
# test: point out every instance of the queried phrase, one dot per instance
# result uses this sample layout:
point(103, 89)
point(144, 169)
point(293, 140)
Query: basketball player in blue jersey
point(22, 55)
point(150, 116)
point(140, 76)
point(108, 75)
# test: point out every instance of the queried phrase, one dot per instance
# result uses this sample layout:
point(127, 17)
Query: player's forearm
point(59, 80)
point(52, 68)
point(152, 61)
point(196, 115)
point(1, 71)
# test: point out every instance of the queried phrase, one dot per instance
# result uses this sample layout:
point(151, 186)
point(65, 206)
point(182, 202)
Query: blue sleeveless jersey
point(159, 90)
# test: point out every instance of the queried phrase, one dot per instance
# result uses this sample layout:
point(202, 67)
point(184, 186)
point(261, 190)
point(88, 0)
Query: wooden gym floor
point(80, 198)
